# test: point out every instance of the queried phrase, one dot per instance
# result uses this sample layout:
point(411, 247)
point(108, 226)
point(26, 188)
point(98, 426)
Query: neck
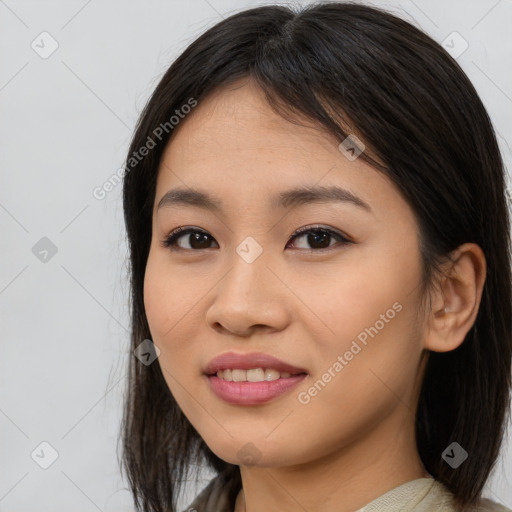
point(343, 481)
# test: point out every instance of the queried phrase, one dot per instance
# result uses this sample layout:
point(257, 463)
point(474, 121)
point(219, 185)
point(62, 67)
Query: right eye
point(198, 241)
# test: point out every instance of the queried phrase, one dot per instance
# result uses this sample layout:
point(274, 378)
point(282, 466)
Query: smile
point(252, 375)
point(245, 392)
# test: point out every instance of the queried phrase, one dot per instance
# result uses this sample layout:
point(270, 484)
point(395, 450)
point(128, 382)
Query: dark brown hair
point(344, 65)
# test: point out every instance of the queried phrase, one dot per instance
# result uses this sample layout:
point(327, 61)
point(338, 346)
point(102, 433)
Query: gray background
point(66, 121)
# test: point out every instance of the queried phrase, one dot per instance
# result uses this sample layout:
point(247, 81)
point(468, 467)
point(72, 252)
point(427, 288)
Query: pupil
point(196, 237)
point(313, 238)
point(200, 240)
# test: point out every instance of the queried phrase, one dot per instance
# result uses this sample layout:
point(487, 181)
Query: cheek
point(155, 298)
point(168, 323)
point(163, 301)
point(356, 298)
point(367, 371)
point(171, 301)
point(368, 313)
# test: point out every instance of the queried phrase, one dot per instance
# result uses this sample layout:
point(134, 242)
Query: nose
point(249, 298)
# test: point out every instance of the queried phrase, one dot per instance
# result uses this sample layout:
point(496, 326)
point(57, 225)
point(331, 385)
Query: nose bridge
point(247, 264)
point(246, 296)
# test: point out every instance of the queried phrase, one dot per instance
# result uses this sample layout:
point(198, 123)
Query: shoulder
point(484, 504)
point(425, 495)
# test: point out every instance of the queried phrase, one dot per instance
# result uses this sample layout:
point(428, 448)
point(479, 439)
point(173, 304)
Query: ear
point(456, 301)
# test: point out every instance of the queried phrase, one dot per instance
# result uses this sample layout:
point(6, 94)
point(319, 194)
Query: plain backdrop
point(66, 121)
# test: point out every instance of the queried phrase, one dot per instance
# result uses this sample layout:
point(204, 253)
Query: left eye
point(316, 237)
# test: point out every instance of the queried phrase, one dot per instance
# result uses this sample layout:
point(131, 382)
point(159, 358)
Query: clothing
point(420, 495)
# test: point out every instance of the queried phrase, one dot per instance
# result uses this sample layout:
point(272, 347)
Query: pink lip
point(247, 361)
point(252, 393)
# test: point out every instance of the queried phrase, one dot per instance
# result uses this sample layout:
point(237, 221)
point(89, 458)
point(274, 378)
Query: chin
point(254, 452)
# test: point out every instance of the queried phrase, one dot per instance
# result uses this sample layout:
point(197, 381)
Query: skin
point(355, 439)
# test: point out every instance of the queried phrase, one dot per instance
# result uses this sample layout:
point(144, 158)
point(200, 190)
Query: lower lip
point(252, 393)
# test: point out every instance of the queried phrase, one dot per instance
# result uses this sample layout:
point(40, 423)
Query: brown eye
point(197, 239)
point(319, 238)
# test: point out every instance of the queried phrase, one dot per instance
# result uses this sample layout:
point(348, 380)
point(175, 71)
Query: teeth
point(256, 375)
point(239, 375)
point(252, 375)
point(271, 374)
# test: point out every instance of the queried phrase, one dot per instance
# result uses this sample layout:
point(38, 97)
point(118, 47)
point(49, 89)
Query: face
point(338, 302)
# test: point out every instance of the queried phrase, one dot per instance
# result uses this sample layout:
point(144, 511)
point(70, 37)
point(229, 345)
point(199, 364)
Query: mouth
point(250, 362)
point(251, 379)
point(253, 375)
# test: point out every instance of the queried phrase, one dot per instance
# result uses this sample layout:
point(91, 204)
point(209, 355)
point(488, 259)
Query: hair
point(349, 69)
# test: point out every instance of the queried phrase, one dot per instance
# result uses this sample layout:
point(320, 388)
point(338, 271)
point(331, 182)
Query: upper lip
point(232, 360)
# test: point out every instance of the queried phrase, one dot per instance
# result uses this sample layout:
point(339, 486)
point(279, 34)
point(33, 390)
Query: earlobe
point(457, 299)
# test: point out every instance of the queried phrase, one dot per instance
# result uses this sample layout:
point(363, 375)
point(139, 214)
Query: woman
point(320, 271)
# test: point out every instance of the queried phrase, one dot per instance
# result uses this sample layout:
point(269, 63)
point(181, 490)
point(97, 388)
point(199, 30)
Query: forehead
point(239, 117)
point(233, 143)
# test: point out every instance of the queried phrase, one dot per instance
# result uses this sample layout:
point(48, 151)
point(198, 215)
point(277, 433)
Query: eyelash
point(169, 242)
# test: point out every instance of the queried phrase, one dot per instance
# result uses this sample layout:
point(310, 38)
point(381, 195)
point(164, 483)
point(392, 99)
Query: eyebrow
point(287, 199)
